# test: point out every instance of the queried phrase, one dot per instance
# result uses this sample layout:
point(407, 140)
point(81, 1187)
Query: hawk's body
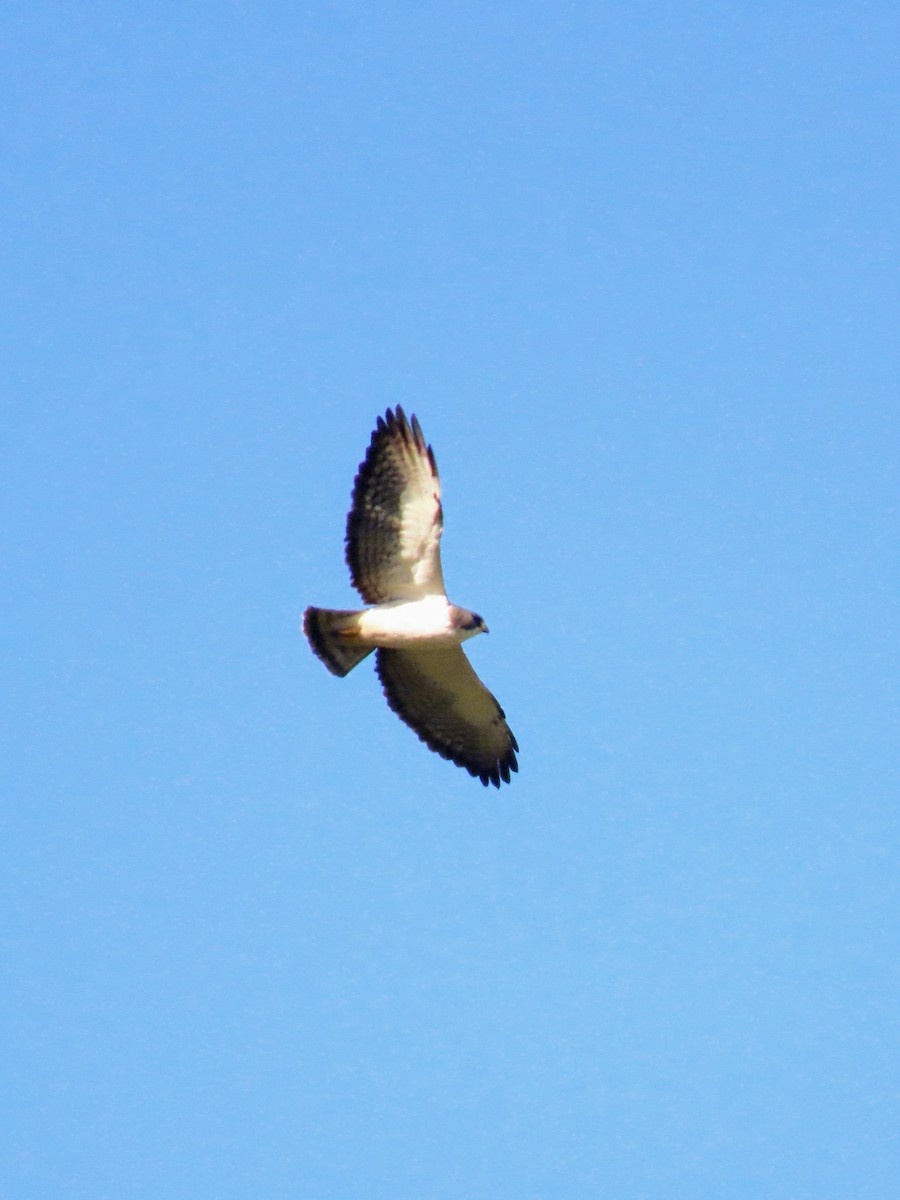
point(393, 551)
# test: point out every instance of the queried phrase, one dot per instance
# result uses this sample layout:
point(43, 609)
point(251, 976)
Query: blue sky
point(634, 266)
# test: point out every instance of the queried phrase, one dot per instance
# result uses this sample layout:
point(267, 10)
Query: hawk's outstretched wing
point(395, 522)
point(438, 694)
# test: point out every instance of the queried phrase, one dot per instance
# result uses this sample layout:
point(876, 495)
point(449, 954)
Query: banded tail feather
point(331, 633)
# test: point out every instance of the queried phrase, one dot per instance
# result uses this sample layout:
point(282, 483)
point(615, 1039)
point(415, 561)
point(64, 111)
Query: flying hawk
point(393, 551)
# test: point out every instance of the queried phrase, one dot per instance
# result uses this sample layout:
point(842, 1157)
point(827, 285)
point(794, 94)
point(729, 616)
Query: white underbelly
point(397, 625)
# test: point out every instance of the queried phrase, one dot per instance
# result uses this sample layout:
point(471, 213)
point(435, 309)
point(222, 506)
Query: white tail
point(331, 634)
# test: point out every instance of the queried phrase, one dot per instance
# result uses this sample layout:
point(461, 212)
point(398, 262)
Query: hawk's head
point(468, 623)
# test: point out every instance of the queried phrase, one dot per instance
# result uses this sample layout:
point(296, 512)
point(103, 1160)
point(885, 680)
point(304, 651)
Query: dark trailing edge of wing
point(392, 425)
point(498, 770)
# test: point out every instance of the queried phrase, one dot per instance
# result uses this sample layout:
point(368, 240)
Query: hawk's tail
point(332, 635)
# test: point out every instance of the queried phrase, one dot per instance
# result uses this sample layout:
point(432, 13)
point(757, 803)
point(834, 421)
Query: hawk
point(393, 551)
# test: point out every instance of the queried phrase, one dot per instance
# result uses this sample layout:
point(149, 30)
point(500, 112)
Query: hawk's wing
point(395, 522)
point(438, 694)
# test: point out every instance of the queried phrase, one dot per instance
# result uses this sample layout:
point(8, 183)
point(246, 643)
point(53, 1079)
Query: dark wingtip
point(395, 419)
point(500, 771)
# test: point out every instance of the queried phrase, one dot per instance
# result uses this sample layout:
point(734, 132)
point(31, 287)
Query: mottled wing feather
point(438, 694)
point(395, 522)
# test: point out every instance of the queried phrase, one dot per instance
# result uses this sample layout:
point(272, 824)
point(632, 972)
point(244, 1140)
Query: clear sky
point(635, 268)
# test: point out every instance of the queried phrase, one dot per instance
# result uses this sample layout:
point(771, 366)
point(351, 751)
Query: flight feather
point(395, 522)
